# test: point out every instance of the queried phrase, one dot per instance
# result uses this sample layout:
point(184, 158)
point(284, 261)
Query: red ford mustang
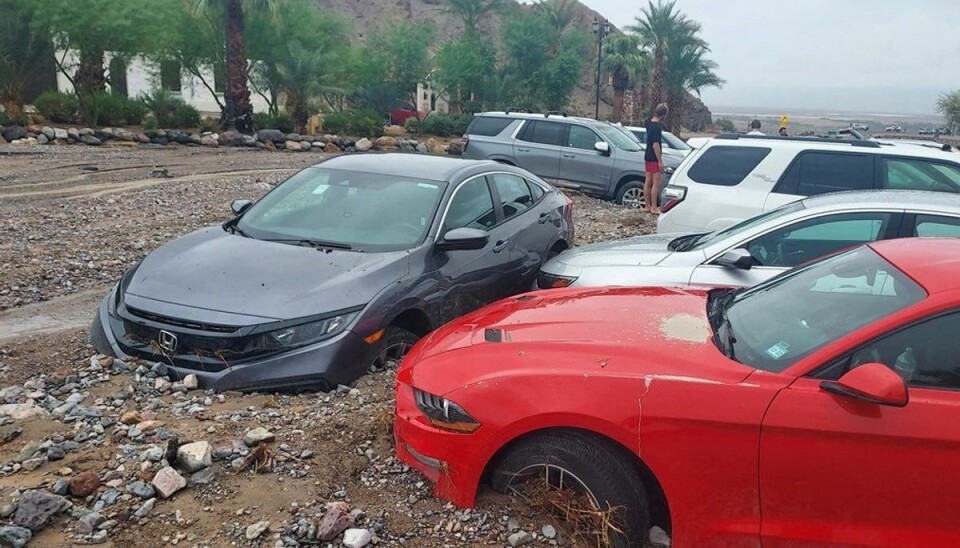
point(820, 408)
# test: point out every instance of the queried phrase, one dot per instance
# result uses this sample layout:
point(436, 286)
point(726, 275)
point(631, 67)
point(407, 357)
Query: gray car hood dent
point(211, 270)
point(637, 251)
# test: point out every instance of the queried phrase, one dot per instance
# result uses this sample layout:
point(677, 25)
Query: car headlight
point(545, 280)
point(304, 334)
point(444, 414)
point(122, 287)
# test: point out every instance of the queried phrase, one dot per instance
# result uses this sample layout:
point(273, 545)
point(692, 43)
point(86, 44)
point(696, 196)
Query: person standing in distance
point(653, 159)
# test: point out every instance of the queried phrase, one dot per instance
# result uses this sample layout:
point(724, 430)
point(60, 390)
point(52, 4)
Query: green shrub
point(725, 124)
point(281, 121)
point(412, 125)
point(4, 121)
point(209, 124)
point(356, 123)
point(170, 111)
point(104, 109)
point(134, 111)
point(58, 107)
point(444, 125)
point(150, 122)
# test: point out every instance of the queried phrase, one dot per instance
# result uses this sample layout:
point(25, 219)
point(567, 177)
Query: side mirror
point(602, 147)
point(736, 258)
point(239, 206)
point(463, 239)
point(870, 382)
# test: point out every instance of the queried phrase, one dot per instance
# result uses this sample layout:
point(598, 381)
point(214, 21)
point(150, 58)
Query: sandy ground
point(72, 219)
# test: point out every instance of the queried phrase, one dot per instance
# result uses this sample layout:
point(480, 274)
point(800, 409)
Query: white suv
point(734, 177)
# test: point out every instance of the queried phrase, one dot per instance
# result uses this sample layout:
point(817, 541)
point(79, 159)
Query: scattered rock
point(364, 145)
point(60, 134)
point(167, 482)
point(131, 417)
point(257, 435)
point(356, 538)
point(659, 538)
point(9, 433)
point(28, 452)
point(549, 531)
point(255, 530)
point(386, 143)
point(90, 140)
point(55, 453)
point(60, 487)
point(36, 508)
point(203, 477)
point(23, 411)
point(455, 148)
point(271, 136)
point(32, 464)
point(145, 508)
point(85, 484)
point(293, 146)
point(15, 537)
point(142, 490)
point(13, 133)
point(195, 456)
point(334, 522)
point(519, 538)
point(42, 139)
point(88, 523)
point(191, 382)
point(332, 148)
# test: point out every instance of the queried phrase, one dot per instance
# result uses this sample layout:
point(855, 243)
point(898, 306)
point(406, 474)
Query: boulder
point(305, 145)
point(34, 129)
point(61, 134)
point(195, 456)
point(231, 138)
point(334, 522)
point(294, 137)
point(332, 148)
point(73, 133)
point(293, 146)
point(456, 146)
point(248, 140)
point(23, 411)
point(357, 538)
point(12, 133)
point(36, 508)
point(42, 139)
point(124, 135)
point(209, 141)
point(15, 537)
point(258, 435)
point(85, 131)
point(167, 482)
point(90, 140)
point(48, 132)
point(271, 136)
point(85, 484)
point(364, 145)
point(386, 143)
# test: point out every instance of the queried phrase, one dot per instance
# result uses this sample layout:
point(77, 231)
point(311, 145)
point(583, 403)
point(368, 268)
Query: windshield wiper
point(318, 244)
point(717, 315)
point(685, 243)
point(234, 229)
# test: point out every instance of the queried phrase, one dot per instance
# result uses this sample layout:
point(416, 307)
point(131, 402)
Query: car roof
point(401, 164)
point(885, 198)
point(820, 143)
point(553, 117)
point(931, 262)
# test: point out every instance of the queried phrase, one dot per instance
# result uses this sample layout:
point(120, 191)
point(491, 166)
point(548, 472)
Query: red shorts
point(652, 167)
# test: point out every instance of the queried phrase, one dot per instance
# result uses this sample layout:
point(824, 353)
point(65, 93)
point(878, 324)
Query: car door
point(581, 163)
point(529, 231)
point(815, 172)
point(469, 279)
point(785, 247)
point(919, 174)
point(537, 147)
point(836, 470)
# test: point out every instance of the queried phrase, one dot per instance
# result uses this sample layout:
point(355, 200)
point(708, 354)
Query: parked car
point(894, 129)
point(597, 158)
point(338, 269)
point(759, 248)
point(734, 177)
point(400, 115)
point(671, 142)
point(926, 131)
point(859, 126)
point(944, 131)
point(782, 415)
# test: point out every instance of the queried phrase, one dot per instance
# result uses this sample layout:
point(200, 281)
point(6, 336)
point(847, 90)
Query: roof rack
point(549, 113)
point(851, 142)
point(511, 110)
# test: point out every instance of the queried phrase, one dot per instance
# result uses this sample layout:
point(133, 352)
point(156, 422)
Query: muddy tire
point(631, 194)
point(594, 466)
point(394, 344)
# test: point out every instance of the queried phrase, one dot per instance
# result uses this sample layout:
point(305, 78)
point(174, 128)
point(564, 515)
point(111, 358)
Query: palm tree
point(559, 13)
point(626, 64)
point(687, 71)
point(472, 12)
point(662, 28)
point(22, 51)
point(239, 112)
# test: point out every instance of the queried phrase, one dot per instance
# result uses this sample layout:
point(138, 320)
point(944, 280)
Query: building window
point(118, 76)
point(170, 76)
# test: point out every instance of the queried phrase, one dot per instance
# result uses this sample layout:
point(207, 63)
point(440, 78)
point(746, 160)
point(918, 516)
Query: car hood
point(211, 271)
point(637, 251)
point(615, 331)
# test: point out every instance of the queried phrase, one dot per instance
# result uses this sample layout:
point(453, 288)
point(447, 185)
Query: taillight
point(568, 210)
point(671, 196)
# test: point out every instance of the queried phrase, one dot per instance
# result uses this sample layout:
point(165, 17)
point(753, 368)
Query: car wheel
point(631, 194)
point(392, 347)
point(581, 479)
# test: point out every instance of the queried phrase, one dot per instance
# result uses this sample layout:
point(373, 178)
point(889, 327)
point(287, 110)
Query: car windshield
point(618, 137)
point(362, 211)
point(721, 235)
point(675, 142)
point(776, 323)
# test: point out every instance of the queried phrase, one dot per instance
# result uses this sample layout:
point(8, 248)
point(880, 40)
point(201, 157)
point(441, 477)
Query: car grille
point(174, 322)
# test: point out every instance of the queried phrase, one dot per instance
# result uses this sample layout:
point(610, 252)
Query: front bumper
point(454, 462)
point(323, 365)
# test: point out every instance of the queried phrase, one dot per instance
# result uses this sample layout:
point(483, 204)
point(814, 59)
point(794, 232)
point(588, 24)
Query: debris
point(255, 530)
point(261, 459)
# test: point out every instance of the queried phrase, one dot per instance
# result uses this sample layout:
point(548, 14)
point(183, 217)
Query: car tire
point(592, 462)
point(392, 346)
point(631, 194)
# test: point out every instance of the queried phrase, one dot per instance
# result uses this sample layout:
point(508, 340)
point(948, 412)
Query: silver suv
point(596, 158)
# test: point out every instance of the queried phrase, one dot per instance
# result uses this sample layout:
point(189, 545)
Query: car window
point(807, 240)
point(536, 191)
point(365, 211)
point(937, 226)
point(726, 165)
point(546, 133)
point(581, 137)
point(487, 126)
point(514, 194)
point(743, 226)
point(778, 322)
point(910, 174)
point(619, 137)
point(814, 173)
point(471, 206)
point(926, 354)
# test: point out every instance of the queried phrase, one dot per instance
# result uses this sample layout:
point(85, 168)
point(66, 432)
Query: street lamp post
point(601, 30)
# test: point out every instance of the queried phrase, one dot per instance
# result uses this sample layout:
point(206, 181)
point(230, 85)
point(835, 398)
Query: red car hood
point(610, 331)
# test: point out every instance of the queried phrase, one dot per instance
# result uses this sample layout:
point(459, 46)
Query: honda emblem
point(167, 341)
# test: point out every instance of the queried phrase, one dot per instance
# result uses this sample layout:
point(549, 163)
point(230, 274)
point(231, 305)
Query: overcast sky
point(883, 56)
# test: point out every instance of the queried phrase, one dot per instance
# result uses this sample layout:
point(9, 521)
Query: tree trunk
point(91, 75)
point(656, 81)
point(239, 108)
point(617, 104)
point(298, 111)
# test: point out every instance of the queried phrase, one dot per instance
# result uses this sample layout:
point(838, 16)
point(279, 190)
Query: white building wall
point(143, 76)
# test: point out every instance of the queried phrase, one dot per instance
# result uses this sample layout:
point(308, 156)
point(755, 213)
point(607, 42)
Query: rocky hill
point(368, 16)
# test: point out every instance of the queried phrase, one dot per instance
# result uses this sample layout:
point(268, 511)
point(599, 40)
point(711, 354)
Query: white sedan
point(761, 247)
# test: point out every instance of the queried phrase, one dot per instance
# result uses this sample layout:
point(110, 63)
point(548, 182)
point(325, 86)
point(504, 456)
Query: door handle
point(544, 217)
point(523, 150)
point(500, 245)
point(565, 155)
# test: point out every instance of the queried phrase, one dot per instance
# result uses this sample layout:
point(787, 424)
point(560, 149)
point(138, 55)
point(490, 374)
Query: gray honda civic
point(339, 269)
